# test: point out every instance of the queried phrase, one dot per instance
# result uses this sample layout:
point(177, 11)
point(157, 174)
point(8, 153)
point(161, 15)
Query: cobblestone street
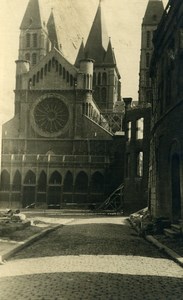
point(91, 258)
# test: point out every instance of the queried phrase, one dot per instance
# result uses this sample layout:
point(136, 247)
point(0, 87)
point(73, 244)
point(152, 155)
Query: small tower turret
point(85, 76)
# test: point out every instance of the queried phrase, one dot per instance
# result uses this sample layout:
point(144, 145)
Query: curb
point(31, 240)
point(172, 254)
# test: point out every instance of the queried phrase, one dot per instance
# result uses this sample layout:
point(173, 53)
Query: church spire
point(32, 16)
point(110, 57)
point(96, 45)
point(81, 54)
point(52, 32)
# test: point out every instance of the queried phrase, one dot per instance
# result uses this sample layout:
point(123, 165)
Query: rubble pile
point(11, 221)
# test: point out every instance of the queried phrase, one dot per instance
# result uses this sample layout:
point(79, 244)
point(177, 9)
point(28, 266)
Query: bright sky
point(123, 22)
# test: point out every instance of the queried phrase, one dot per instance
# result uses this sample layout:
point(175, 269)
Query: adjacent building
point(138, 118)
point(60, 148)
point(166, 159)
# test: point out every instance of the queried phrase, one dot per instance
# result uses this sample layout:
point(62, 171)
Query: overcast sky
point(123, 22)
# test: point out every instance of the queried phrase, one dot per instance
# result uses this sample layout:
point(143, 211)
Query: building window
point(104, 94)
point(37, 78)
point(94, 79)
point(28, 40)
point(104, 79)
point(34, 59)
point(140, 129)
point(68, 76)
point(45, 69)
point(139, 166)
point(27, 56)
point(148, 39)
point(49, 66)
point(35, 40)
point(129, 130)
point(41, 73)
point(147, 79)
point(99, 78)
point(64, 73)
point(147, 60)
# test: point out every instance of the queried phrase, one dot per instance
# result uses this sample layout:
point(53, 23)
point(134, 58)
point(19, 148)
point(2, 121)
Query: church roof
point(97, 42)
point(32, 16)
point(153, 12)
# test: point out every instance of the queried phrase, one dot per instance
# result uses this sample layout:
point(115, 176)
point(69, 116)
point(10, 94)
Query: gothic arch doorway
point(176, 188)
point(54, 190)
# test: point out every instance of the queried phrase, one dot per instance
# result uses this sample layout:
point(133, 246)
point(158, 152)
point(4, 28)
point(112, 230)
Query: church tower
point(106, 77)
point(150, 22)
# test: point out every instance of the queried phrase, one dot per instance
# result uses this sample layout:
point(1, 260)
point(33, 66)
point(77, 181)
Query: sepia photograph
point(91, 149)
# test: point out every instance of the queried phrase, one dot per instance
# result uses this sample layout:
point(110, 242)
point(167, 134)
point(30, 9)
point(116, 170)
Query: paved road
point(97, 258)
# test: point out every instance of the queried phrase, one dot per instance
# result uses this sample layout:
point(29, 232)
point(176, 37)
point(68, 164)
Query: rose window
point(51, 115)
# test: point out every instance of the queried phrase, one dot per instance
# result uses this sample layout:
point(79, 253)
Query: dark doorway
point(176, 193)
point(28, 197)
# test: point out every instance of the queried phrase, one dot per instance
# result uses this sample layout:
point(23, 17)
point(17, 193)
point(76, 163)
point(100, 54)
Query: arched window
point(34, 59)
point(147, 79)
point(45, 69)
point(28, 40)
point(42, 182)
point(53, 62)
point(94, 79)
point(30, 178)
point(49, 66)
point(60, 69)
point(81, 183)
point(56, 66)
point(37, 79)
point(71, 80)
point(5, 180)
point(68, 76)
point(55, 178)
point(87, 81)
point(27, 56)
point(90, 82)
point(148, 39)
point(87, 112)
point(41, 73)
point(147, 60)
point(103, 94)
point(34, 40)
point(97, 182)
point(104, 78)
point(99, 78)
point(64, 73)
point(34, 80)
point(84, 81)
point(68, 182)
point(17, 181)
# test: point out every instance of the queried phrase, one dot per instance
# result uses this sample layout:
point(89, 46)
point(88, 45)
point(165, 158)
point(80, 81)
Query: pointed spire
point(153, 12)
point(52, 32)
point(81, 54)
point(97, 42)
point(110, 57)
point(32, 16)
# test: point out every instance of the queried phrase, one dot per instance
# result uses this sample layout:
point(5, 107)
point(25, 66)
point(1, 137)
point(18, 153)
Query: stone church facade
point(60, 148)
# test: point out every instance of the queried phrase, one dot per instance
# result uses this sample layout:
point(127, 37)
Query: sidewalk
point(162, 244)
